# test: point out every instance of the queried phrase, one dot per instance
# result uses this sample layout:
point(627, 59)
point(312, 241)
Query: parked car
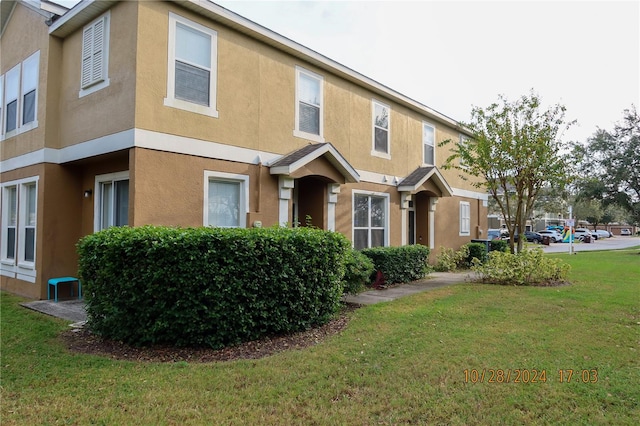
point(602, 233)
point(532, 237)
point(493, 234)
point(625, 231)
point(581, 233)
point(554, 236)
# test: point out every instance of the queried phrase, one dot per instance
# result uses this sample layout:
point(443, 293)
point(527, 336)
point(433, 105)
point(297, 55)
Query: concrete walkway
point(71, 310)
point(434, 280)
point(74, 310)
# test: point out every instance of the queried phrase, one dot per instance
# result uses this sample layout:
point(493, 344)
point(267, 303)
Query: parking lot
point(613, 243)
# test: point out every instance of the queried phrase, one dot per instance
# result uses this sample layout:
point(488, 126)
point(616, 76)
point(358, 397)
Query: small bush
point(359, 269)
point(529, 267)
point(477, 253)
point(498, 245)
point(400, 264)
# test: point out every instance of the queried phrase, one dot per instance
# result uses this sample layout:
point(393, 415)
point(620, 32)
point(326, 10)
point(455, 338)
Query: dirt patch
point(82, 340)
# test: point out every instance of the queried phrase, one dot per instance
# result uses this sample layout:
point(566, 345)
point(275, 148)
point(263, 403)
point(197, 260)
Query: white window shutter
point(93, 53)
point(98, 50)
point(87, 47)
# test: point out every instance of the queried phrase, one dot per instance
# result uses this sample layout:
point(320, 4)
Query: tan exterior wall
point(15, 48)
point(111, 109)
point(256, 101)
point(170, 189)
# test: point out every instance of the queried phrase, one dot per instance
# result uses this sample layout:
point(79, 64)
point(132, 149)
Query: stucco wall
point(14, 49)
point(111, 109)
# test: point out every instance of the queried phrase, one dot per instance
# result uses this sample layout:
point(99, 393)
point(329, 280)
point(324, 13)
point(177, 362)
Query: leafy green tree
point(515, 151)
point(610, 165)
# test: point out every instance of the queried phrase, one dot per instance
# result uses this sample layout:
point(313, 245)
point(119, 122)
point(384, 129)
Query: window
point(95, 56)
point(428, 143)
point(12, 90)
point(309, 111)
point(370, 220)
point(111, 201)
point(29, 88)
point(19, 107)
point(465, 218)
point(19, 224)
point(1, 104)
point(191, 76)
point(226, 200)
point(10, 221)
point(381, 123)
point(464, 140)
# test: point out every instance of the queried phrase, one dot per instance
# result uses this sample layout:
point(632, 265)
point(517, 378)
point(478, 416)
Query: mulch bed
point(82, 340)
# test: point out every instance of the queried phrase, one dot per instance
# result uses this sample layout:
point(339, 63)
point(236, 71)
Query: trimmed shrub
point(209, 286)
point(400, 264)
point(498, 245)
point(477, 251)
point(529, 267)
point(358, 271)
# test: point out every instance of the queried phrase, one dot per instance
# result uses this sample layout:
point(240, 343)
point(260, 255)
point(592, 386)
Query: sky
point(455, 55)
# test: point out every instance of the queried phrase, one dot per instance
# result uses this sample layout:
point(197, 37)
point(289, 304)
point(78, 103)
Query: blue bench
point(55, 281)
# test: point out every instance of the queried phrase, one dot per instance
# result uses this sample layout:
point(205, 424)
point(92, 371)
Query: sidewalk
point(74, 310)
point(434, 280)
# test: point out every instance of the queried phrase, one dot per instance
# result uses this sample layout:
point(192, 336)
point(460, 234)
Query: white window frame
point(243, 180)
point(171, 100)
point(375, 152)
point(31, 61)
point(463, 140)
point(97, 195)
point(2, 106)
point(465, 218)
point(386, 228)
point(100, 81)
point(18, 267)
point(297, 132)
point(425, 143)
point(13, 74)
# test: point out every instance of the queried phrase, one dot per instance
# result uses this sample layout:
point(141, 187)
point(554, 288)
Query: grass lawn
point(440, 357)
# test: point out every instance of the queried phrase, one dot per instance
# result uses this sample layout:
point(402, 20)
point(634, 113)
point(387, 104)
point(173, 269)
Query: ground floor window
point(370, 220)
point(19, 225)
point(112, 200)
point(226, 200)
point(465, 218)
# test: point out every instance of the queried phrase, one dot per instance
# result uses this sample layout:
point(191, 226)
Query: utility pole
point(570, 223)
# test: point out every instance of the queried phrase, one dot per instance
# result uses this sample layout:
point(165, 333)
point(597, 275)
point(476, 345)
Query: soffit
point(81, 14)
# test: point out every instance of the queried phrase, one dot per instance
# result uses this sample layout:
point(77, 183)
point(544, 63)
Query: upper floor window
point(19, 106)
point(95, 56)
point(226, 200)
point(381, 127)
point(465, 218)
point(192, 68)
point(309, 109)
point(12, 93)
point(464, 140)
point(29, 88)
point(428, 143)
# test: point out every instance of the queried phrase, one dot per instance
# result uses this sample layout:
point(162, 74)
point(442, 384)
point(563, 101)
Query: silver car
point(554, 236)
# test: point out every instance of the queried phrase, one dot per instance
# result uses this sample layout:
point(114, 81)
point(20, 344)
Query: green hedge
point(209, 286)
point(476, 251)
point(358, 271)
point(498, 245)
point(400, 264)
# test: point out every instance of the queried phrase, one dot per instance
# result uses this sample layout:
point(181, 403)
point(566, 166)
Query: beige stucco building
point(184, 113)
